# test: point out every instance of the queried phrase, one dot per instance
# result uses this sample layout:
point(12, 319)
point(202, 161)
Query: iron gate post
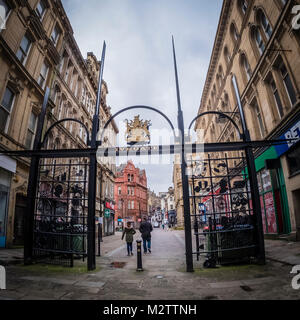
point(252, 179)
point(91, 250)
point(32, 185)
point(184, 178)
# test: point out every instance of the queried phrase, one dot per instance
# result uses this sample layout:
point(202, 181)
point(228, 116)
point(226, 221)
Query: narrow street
point(163, 278)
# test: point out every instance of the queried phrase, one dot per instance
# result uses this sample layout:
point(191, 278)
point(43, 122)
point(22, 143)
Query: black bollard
point(139, 255)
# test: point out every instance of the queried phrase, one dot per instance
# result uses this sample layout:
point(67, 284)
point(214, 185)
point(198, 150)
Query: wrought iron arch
point(63, 120)
point(217, 113)
point(131, 108)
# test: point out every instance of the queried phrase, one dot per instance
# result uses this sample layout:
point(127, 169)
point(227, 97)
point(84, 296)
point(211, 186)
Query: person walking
point(146, 229)
point(129, 232)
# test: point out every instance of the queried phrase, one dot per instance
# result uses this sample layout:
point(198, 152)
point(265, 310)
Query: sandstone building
point(38, 50)
point(256, 42)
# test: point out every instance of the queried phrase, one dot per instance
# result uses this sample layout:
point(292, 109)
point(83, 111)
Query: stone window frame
point(13, 104)
point(244, 62)
point(260, 127)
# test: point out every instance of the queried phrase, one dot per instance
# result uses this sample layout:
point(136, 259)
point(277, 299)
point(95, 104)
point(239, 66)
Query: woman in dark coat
point(129, 232)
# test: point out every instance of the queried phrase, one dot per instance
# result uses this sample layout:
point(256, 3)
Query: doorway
point(20, 212)
point(296, 201)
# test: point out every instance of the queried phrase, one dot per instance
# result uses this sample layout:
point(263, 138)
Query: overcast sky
point(139, 63)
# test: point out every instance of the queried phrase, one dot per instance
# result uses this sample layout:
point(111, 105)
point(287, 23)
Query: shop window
point(5, 179)
point(267, 201)
point(293, 159)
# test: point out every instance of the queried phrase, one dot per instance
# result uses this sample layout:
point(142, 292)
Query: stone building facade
point(38, 50)
point(256, 42)
point(153, 202)
point(131, 195)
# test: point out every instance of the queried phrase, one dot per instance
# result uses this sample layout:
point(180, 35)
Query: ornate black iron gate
point(223, 217)
point(60, 216)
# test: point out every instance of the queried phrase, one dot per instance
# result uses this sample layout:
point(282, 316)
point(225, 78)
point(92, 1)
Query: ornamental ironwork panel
point(223, 217)
point(60, 218)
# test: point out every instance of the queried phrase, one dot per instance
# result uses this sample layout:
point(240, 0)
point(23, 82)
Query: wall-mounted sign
point(292, 133)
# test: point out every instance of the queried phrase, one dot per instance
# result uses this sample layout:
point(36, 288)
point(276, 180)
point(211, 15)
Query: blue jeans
point(145, 242)
point(129, 247)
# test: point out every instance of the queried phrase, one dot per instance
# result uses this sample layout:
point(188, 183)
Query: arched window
point(264, 23)
point(227, 55)
point(209, 106)
point(56, 94)
point(233, 32)
point(257, 118)
point(221, 73)
point(287, 81)
point(226, 101)
point(256, 34)
point(243, 6)
point(246, 67)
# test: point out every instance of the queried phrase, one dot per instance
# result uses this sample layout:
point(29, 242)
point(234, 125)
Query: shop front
point(278, 171)
point(7, 168)
point(109, 219)
point(289, 154)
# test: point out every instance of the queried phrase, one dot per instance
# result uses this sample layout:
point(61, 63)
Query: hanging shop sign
point(107, 213)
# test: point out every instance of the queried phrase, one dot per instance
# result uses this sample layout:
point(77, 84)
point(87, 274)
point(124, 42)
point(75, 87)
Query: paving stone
point(90, 284)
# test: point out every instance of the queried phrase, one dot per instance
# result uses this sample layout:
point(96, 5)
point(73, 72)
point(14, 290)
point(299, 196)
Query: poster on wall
point(270, 212)
point(263, 214)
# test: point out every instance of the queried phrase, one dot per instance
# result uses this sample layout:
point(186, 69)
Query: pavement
point(164, 276)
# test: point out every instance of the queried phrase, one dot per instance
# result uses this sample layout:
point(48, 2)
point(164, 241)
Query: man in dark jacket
point(146, 229)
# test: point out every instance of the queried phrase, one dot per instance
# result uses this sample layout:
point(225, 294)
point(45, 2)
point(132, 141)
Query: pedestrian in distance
point(146, 229)
point(129, 232)
point(163, 226)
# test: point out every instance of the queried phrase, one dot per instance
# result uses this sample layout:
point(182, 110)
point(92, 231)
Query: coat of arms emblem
point(137, 131)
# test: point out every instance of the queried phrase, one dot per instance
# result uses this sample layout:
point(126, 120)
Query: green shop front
point(272, 187)
point(273, 196)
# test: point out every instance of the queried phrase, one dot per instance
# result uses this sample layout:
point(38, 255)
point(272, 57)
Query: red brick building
point(131, 195)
